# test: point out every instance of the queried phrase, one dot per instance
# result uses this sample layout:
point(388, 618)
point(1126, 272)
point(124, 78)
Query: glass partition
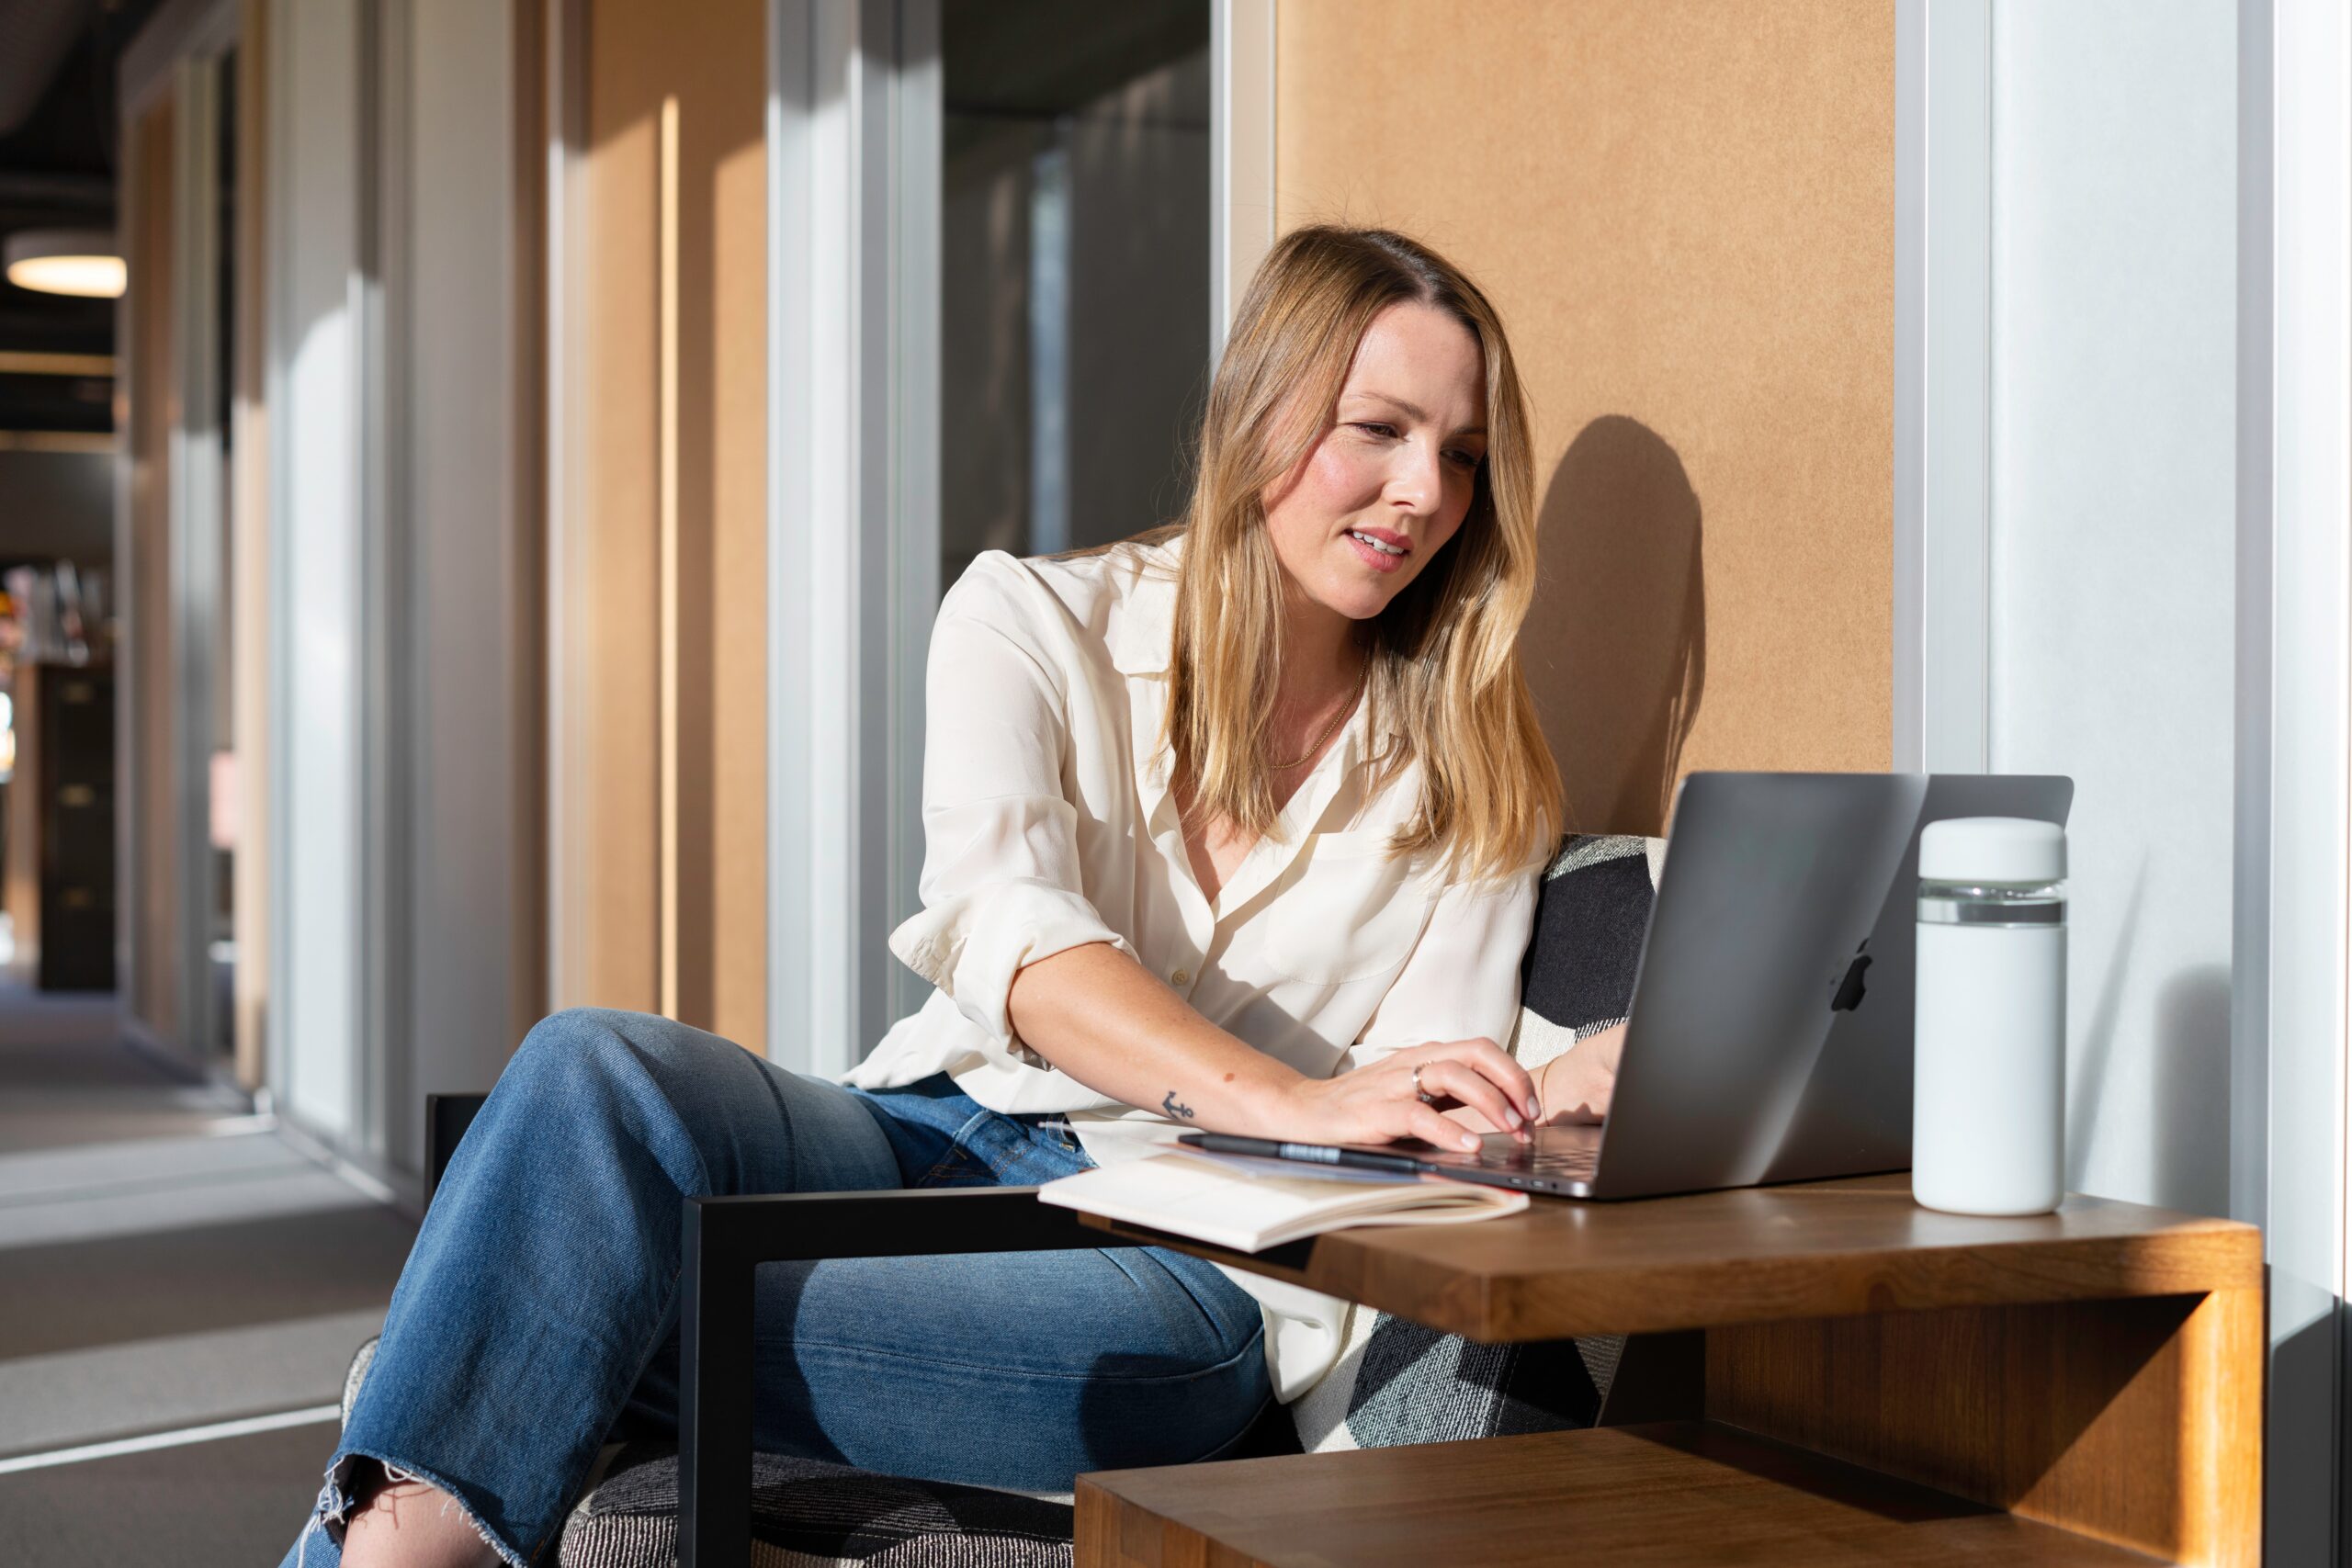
point(1074, 293)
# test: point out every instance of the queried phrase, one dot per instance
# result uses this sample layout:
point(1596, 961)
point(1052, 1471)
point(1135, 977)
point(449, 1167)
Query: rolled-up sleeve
point(1001, 886)
point(1462, 979)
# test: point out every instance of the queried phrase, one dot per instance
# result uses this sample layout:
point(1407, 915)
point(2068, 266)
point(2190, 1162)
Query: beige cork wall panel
point(660, 855)
point(1684, 211)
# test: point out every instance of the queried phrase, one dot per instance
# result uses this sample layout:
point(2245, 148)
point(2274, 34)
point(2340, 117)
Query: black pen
point(1314, 1154)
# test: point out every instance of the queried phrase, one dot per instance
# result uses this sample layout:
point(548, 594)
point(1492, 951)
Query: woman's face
point(1388, 484)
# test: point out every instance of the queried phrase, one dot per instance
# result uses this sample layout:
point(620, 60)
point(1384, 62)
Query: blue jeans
point(540, 1300)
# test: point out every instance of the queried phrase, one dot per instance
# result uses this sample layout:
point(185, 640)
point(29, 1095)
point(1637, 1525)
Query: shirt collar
point(1143, 635)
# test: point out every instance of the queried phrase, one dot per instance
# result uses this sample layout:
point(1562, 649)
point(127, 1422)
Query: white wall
point(2295, 652)
point(315, 287)
point(2112, 548)
point(402, 728)
point(467, 741)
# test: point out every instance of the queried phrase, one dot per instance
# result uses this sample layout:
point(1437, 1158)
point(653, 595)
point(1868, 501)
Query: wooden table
point(1817, 1373)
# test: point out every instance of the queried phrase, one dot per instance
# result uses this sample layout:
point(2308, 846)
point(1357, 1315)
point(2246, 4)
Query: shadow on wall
point(1616, 647)
point(2190, 1086)
point(2086, 1064)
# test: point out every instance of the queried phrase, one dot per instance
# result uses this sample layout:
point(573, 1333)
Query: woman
point(1229, 826)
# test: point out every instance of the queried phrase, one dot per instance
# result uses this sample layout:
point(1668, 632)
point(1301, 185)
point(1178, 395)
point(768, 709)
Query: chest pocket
point(1354, 911)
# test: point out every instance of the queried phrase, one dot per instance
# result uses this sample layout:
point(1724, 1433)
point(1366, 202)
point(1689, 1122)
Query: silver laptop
point(1770, 1034)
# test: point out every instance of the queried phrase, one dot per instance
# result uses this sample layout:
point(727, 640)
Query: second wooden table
point(2098, 1368)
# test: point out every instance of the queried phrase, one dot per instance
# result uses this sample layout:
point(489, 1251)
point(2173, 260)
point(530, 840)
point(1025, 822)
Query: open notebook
point(1250, 1205)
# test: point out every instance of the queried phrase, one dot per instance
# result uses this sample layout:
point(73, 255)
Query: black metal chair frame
point(726, 1239)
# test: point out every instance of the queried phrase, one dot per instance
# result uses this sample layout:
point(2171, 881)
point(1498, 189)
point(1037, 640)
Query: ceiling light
point(65, 260)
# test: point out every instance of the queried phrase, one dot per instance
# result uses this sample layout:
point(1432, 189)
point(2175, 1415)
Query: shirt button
point(1181, 977)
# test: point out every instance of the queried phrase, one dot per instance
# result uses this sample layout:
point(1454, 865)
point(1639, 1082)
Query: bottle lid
point(1992, 848)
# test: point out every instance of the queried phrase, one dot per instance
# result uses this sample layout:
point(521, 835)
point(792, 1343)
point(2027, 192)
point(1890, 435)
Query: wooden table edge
point(1841, 1282)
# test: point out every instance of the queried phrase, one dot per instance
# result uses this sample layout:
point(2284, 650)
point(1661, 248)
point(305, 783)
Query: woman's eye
point(1373, 427)
point(1462, 459)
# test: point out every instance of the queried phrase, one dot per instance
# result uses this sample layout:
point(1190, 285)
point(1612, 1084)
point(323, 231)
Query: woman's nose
point(1419, 480)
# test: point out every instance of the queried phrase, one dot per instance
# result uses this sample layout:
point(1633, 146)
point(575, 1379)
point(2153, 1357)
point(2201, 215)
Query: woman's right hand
point(1380, 1103)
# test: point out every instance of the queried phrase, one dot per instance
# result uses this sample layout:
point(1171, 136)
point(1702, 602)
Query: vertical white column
point(2250, 881)
point(197, 524)
point(2296, 104)
point(1942, 376)
point(319, 183)
point(792, 482)
point(919, 107)
point(1241, 153)
point(815, 543)
point(854, 110)
point(467, 768)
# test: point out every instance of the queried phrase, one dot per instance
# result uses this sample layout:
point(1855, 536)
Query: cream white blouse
point(1049, 823)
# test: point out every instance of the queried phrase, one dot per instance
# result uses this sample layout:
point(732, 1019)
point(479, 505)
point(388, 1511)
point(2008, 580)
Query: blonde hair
point(1443, 671)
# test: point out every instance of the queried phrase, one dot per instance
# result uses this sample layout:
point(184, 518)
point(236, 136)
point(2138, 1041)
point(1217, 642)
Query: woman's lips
point(1378, 559)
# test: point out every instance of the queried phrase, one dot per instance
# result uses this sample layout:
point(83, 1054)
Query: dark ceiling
point(57, 171)
point(1041, 58)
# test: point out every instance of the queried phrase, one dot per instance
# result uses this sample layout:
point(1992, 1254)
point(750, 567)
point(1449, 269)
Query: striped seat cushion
point(809, 1514)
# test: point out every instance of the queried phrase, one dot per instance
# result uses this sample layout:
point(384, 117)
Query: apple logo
point(1849, 994)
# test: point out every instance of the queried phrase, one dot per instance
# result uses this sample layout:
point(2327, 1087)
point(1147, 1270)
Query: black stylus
point(1314, 1154)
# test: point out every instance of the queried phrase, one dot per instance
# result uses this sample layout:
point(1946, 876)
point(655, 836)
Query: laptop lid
point(1770, 883)
point(1771, 1029)
point(1855, 1114)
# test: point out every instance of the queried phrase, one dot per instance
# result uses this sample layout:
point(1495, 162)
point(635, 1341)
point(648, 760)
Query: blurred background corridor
point(181, 1284)
point(477, 478)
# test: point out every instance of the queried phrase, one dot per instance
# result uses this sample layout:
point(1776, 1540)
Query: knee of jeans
point(588, 1045)
point(566, 1049)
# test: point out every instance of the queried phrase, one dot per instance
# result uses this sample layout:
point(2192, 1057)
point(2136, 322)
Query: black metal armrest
point(446, 1117)
point(725, 1238)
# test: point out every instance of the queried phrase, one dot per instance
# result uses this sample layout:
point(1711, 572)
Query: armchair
point(1397, 1382)
point(725, 1240)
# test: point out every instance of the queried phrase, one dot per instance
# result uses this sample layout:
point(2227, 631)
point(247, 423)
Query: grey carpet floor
point(233, 1503)
point(169, 1263)
point(66, 1077)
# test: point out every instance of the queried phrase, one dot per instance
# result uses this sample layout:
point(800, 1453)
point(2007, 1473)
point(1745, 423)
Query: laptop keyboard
point(1576, 1161)
point(1557, 1157)
point(1565, 1162)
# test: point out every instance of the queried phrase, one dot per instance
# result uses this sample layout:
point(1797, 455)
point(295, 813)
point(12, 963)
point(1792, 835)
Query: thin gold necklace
point(1337, 719)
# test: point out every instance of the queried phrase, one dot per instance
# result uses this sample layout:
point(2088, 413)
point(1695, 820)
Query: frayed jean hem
point(331, 1515)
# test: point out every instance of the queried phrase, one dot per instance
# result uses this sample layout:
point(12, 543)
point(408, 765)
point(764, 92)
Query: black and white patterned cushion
point(1578, 975)
point(1398, 1383)
point(807, 1514)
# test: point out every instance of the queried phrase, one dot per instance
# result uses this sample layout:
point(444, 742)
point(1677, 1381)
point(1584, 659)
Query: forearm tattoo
point(1175, 1107)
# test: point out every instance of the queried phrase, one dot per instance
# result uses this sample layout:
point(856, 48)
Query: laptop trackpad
point(1554, 1151)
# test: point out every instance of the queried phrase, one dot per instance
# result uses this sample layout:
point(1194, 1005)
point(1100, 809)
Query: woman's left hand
point(1574, 1087)
point(1577, 1085)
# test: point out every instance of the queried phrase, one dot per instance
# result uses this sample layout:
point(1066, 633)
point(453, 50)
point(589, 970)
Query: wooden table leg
point(2137, 1422)
point(1660, 1377)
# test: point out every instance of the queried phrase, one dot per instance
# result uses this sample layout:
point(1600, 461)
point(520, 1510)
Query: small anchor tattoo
point(1174, 1108)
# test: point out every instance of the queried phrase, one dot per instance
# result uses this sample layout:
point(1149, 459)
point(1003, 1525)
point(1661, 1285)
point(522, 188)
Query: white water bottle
point(1988, 1111)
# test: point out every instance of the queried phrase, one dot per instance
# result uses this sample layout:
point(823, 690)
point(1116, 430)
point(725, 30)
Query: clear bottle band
point(1947, 912)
